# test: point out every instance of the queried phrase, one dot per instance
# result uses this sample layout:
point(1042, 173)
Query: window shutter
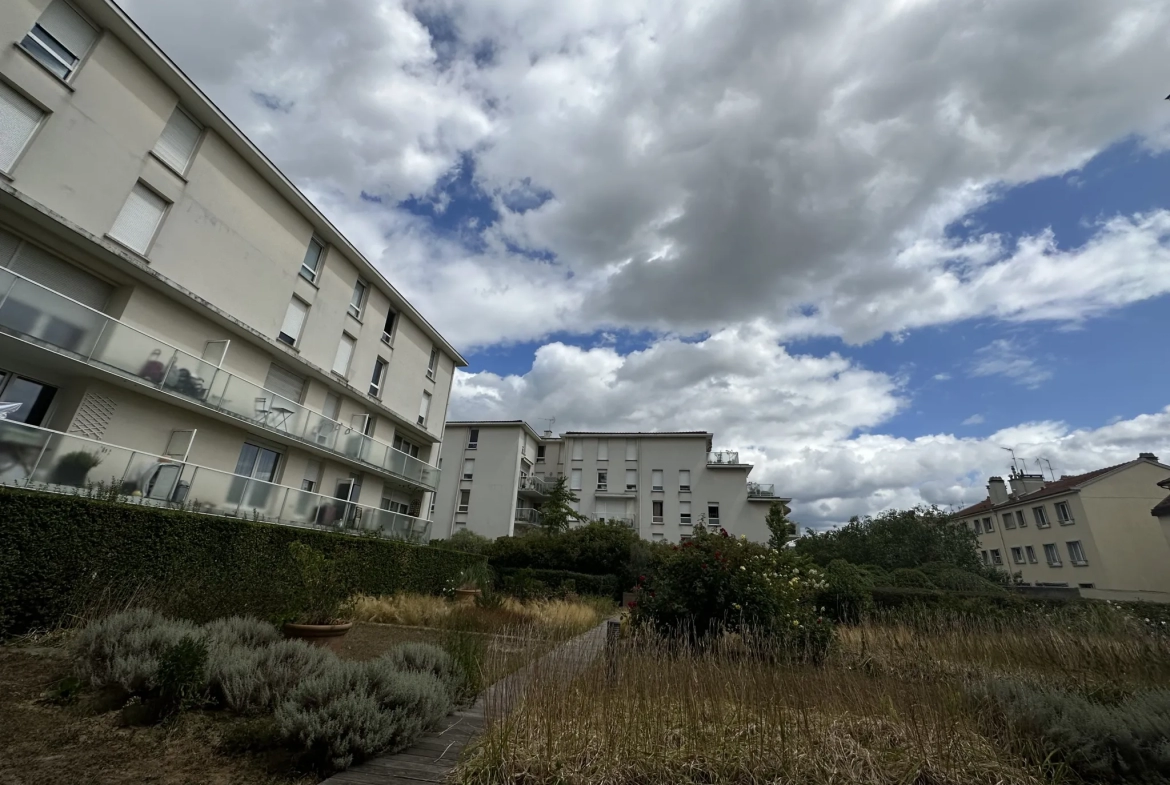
point(284, 383)
point(656, 479)
point(631, 478)
point(178, 140)
point(67, 26)
point(18, 119)
point(60, 276)
point(631, 450)
point(424, 408)
point(344, 352)
point(294, 320)
point(139, 218)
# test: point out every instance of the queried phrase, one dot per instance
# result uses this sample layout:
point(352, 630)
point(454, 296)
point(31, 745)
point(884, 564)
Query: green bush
point(253, 680)
point(534, 584)
point(1125, 742)
point(594, 549)
point(182, 675)
point(465, 540)
point(954, 579)
point(59, 555)
point(848, 593)
point(240, 631)
point(905, 578)
point(427, 658)
point(124, 650)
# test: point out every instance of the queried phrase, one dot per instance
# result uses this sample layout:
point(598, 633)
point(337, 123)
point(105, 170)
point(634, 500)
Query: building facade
point(1092, 531)
point(175, 316)
point(663, 485)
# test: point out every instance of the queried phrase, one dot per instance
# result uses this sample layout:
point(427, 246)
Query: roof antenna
point(1052, 473)
point(551, 422)
point(1013, 452)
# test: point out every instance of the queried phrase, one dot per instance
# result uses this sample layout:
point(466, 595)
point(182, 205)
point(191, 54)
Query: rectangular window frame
point(357, 300)
point(603, 479)
point(424, 409)
point(996, 557)
point(162, 217)
point(657, 511)
point(659, 475)
point(200, 129)
point(464, 504)
point(713, 520)
point(344, 374)
point(293, 340)
point(684, 513)
point(603, 449)
point(80, 58)
point(1040, 515)
point(1021, 519)
point(432, 364)
point(1031, 553)
point(1052, 554)
point(1083, 561)
point(311, 274)
point(1009, 520)
point(631, 486)
point(1018, 555)
point(32, 134)
point(378, 380)
point(631, 449)
point(989, 524)
point(1065, 519)
point(473, 438)
point(540, 451)
point(468, 469)
point(575, 478)
point(684, 487)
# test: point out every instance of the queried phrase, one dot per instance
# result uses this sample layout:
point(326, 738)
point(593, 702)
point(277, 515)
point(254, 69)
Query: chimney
point(1026, 483)
point(1149, 456)
point(548, 434)
point(997, 490)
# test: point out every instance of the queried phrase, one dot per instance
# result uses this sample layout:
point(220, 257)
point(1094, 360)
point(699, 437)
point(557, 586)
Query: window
point(1051, 555)
point(136, 224)
point(996, 558)
point(1063, 513)
point(464, 501)
point(684, 480)
point(1009, 521)
point(656, 511)
point(631, 449)
point(19, 118)
point(603, 480)
point(33, 396)
point(344, 353)
point(988, 525)
point(603, 449)
point(258, 463)
point(986, 558)
point(394, 505)
point(402, 445)
point(1041, 517)
point(578, 449)
point(1018, 555)
point(473, 439)
point(59, 39)
point(658, 536)
point(332, 407)
point(575, 480)
point(684, 538)
point(631, 479)
point(424, 408)
point(378, 377)
point(311, 266)
point(358, 300)
point(656, 480)
point(1021, 520)
point(177, 143)
point(684, 513)
point(432, 363)
point(468, 468)
point(294, 320)
point(540, 453)
point(388, 327)
point(712, 513)
point(312, 479)
point(1031, 554)
point(1076, 554)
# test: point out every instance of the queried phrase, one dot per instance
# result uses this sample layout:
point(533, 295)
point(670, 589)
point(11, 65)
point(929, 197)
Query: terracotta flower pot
point(467, 595)
point(325, 635)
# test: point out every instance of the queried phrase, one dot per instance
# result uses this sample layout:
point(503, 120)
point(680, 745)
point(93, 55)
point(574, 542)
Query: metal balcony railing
point(41, 459)
point(534, 484)
point(759, 490)
point(723, 458)
point(529, 516)
point(40, 316)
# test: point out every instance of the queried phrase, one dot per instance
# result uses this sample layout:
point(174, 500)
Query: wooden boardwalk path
point(433, 757)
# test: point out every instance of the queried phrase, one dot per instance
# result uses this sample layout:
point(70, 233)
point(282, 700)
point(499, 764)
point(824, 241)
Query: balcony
point(532, 486)
point(759, 490)
point(44, 460)
point(630, 521)
point(723, 458)
point(527, 518)
point(40, 316)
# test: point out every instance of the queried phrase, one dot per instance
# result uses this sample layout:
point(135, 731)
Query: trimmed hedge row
point(526, 583)
point(66, 555)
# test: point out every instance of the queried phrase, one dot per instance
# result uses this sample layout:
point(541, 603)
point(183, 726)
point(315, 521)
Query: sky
point(871, 245)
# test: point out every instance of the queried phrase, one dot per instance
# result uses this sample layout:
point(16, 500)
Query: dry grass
point(551, 618)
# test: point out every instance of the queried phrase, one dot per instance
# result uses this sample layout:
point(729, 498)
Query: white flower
point(741, 567)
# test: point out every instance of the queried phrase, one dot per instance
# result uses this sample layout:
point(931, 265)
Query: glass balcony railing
point(723, 457)
point(41, 459)
point(759, 490)
point(41, 316)
point(533, 484)
point(528, 516)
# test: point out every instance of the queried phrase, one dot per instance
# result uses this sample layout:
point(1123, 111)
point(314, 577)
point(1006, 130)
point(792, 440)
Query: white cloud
point(1004, 357)
point(974, 419)
point(942, 377)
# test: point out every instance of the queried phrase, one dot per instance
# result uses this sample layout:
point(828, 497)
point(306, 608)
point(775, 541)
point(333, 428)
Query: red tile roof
point(982, 506)
point(1055, 488)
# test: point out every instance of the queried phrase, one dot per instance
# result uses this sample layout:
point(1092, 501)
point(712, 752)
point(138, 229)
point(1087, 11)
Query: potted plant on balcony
point(316, 604)
point(473, 581)
point(73, 468)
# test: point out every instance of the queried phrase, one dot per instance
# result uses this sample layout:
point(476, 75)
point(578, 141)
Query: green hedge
point(62, 556)
point(528, 583)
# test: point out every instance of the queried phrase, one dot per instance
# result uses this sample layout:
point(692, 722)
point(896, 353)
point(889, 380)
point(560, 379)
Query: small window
point(473, 439)
point(1018, 555)
point(656, 511)
point(1021, 521)
point(988, 525)
point(468, 468)
point(358, 300)
point(1051, 555)
point(603, 449)
point(378, 378)
point(344, 354)
point(177, 143)
point(424, 408)
point(631, 449)
point(388, 327)
point(996, 558)
point(19, 118)
point(402, 445)
point(1031, 554)
point(1086, 585)
point(712, 514)
point(1063, 513)
point(603, 480)
point(1041, 517)
point(986, 558)
point(684, 513)
point(312, 479)
point(684, 480)
point(433, 363)
point(540, 453)
point(656, 480)
point(59, 39)
point(631, 479)
point(684, 538)
point(658, 536)
point(464, 501)
point(139, 219)
point(1009, 521)
point(294, 321)
point(311, 266)
point(1076, 554)
point(575, 480)
point(578, 450)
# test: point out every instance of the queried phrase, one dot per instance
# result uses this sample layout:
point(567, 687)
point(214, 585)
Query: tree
point(557, 513)
point(782, 529)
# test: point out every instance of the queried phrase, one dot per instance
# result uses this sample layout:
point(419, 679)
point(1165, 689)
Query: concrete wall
point(493, 486)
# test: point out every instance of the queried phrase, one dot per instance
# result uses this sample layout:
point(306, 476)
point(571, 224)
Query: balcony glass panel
point(46, 317)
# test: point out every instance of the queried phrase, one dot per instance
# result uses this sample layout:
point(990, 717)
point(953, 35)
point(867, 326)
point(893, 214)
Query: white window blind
point(39, 265)
point(344, 352)
point(684, 512)
point(631, 479)
point(603, 449)
point(631, 450)
point(68, 27)
point(18, 119)
point(424, 408)
point(656, 480)
point(578, 449)
point(294, 320)
point(684, 479)
point(284, 383)
point(139, 218)
point(178, 141)
point(575, 480)
point(468, 468)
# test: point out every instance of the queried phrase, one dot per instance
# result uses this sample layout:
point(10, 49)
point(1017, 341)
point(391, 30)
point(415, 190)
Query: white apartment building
point(176, 318)
point(663, 485)
point(1092, 531)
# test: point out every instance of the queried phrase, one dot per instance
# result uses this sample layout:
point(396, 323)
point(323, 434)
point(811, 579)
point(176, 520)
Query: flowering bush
point(714, 582)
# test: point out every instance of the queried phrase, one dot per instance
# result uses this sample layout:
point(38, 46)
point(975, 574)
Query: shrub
point(848, 593)
point(593, 549)
point(465, 540)
point(905, 578)
point(250, 681)
point(240, 631)
point(353, 711)
point(182, 675)
point(954, 579)
point(124, 649)
point(427, 658)
point(536, 584)
point(1123, 742)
